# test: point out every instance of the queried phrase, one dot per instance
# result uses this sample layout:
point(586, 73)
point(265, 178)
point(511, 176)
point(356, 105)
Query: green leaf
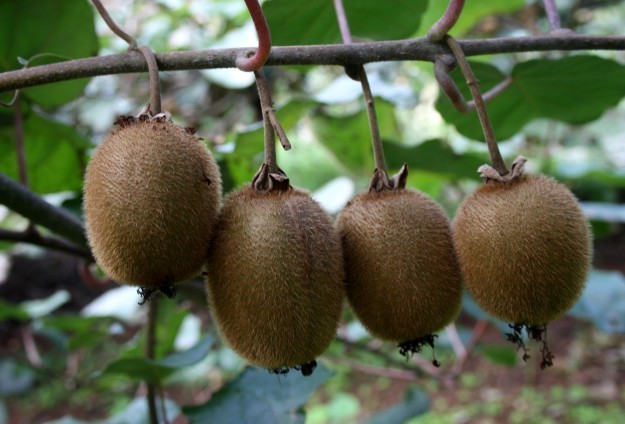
point(14, 378)
point(54, 155)
point(189, 357)
point(256, 396)
point(603, 301)
point(348, 138)
point(575, 89)
point(86, 332)
point(10, 311)
point(296, 22)
point(143, 369)
point(50, 31)
point(139, 369)
point(436, 157)
point(415, 403)
point(38, 308)
point(248, 153)
point(472, 13)
point(502, 355)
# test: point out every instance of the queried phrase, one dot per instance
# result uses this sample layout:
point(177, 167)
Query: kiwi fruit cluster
point(524, 248)
point(402, 276)
point(275, 277)
point(152, 195)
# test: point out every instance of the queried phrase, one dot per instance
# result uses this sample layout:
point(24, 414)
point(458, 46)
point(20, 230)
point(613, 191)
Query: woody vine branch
point(418, 49)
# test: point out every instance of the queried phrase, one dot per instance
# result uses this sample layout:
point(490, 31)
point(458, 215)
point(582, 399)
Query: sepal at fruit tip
point(380, 180)
point(488, 173)
point(265, 181)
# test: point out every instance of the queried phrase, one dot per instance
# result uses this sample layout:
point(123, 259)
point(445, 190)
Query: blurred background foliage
point(71, 351)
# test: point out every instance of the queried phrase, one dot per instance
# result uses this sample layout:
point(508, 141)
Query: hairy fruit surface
point(275, 277)
point(402, 276)
point(524, 248)
point(151, 197)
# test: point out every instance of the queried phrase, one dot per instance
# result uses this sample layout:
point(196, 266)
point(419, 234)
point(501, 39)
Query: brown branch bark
point(33, 237)
point(31, 206)
point(333, 54)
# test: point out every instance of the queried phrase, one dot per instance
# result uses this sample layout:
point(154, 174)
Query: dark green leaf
point(257, 396)
point(188, 357)
point(506, 112)
point(52, 31)
point(415, 403)
point(139, 369)
point(14, 378)
point(472, 13)
point(314, 22)
point(143, 369)
point(575, 89)
point(502, 355)
point(54, 155)
point(348, 137)
point(603, 301)
point(434, 156)
point(84, 332)
point(10, 311)
point(248, 154)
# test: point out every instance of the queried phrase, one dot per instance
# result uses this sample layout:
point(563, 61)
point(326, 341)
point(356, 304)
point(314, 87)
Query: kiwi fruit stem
point(489, 134)
point(155, 81)
point(374, 128)
point(270, 176)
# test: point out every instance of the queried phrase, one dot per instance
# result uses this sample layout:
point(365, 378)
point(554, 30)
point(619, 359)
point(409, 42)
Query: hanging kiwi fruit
point(524, 248)
point(523, 243)
point(402, 276)
point(275, 269)
point(152, 194)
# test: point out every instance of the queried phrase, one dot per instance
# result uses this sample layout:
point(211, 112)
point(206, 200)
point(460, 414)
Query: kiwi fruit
point(524, 248)
point(402, 275)
point(152, 195)
point(275, 278)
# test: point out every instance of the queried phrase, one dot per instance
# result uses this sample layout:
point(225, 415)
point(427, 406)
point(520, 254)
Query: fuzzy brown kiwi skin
point(275, 277)
point(402, 276)
point(152, 194)
point(524, 248)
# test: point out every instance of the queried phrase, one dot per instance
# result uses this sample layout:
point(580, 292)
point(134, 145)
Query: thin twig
point(455, 340)
point(11, 102)
point(113, 26)
point(394, 373)
point(341, 17)
point(30, 347)
point(441, 27)
point(361, 74)
point(161, 396)
point(155, 81)
point(18, 125)
point(487, 127)
point(448, 85)
point(35, 238)
point(34, 208)
point(478, 331)
point(259, 58)
point(150, 350)
point(419, 49)
point(552, 15)
point(374, 128)
point(389, 360)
